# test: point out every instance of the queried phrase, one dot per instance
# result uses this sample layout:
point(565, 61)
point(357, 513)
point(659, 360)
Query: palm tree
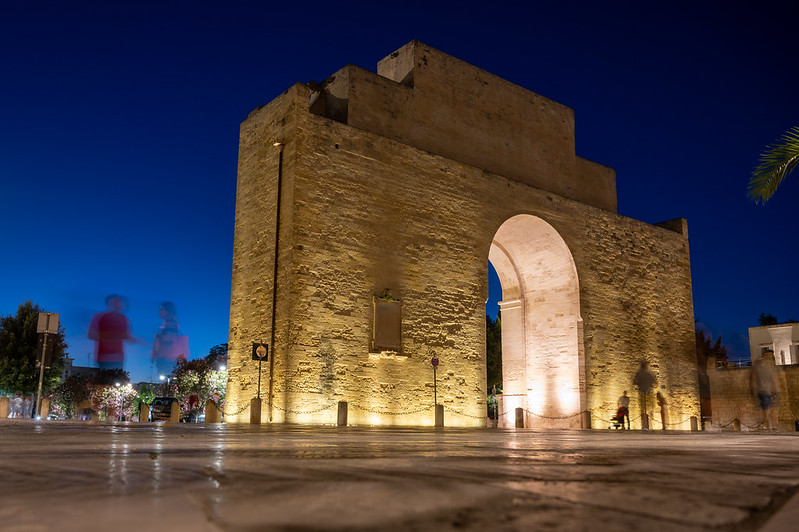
point(776, 163)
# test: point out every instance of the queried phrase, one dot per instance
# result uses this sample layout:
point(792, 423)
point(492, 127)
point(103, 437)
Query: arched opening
point(543, 367)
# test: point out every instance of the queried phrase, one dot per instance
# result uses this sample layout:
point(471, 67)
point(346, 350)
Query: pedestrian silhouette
point(169, 344)
point(624, 409)
point(763, 382)
point(109, 330)
point(645, 381)
point(664, 411)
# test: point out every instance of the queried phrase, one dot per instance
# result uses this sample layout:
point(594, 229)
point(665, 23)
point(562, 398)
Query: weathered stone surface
point(403, 183)
point(732, 397)
point(145, 476)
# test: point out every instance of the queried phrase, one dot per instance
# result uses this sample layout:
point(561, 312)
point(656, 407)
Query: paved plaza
point(145, 476)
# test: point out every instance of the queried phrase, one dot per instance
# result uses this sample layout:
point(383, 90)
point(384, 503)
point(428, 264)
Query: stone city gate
point(368, 207)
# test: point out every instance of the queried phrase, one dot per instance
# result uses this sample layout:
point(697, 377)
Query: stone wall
point(731, 397)
point(365, 209)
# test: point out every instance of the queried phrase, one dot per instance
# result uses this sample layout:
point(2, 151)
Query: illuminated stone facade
point(409, 180)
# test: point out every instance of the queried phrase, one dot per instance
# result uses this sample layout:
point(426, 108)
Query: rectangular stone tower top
point(425, 98)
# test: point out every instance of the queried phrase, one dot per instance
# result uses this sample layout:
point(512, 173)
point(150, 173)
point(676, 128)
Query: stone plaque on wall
point(387, 325)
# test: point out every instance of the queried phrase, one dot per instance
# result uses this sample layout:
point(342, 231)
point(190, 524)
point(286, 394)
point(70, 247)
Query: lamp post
point(168, 380)
point(121, 399)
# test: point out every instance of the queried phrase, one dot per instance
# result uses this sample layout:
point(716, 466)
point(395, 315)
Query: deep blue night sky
point(119, 130)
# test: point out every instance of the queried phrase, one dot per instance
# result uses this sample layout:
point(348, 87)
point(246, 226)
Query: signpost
point(260, 352)
point(434, 362)
point(439, 416)
point(48, 323)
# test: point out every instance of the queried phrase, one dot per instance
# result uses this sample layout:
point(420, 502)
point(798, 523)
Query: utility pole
point(48, 323)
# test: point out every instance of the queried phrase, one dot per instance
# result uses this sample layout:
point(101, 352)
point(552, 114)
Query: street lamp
point(168, 379)
point(121, 400)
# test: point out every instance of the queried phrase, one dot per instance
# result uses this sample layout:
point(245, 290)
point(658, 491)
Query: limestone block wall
point(254, 241)
point(362, 212)
point(441, 104)
point(731, 397)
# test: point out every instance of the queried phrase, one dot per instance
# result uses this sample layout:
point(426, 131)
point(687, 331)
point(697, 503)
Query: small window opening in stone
point(387, 323)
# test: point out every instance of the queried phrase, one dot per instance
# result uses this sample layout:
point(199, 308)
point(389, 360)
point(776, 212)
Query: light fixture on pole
point(121, 399)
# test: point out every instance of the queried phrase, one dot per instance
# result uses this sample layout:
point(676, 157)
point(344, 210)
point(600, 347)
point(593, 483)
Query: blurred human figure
point(27, 407)
point(624, 409)
point(169, 344)
point(664, 412)
point(645, 381)
point(16, 406)
point(763, 383)
point(109, 330)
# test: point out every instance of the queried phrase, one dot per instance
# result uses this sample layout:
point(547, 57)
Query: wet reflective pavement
point(79, 476)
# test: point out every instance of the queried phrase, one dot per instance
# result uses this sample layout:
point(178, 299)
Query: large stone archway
point(542, 353)
point(367, 208)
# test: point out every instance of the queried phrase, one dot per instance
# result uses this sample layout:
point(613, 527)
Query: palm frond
point(775, 164)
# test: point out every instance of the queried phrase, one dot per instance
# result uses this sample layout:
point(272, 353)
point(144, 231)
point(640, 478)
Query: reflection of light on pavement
point(155, 457)
point(118, 463)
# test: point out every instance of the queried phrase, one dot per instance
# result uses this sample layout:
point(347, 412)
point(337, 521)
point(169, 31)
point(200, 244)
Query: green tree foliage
point(767, 319)
point(109, 377)
point(779, 160)
point(19, 352)
point(217, 355)
point(145, 394)
point(493, 352)
point(200, 378)
point(69, 393)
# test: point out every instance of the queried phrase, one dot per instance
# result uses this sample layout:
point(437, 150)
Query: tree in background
point(779, 160)
point(493, 353)
point(767, 319)
point(74, 390)
point(196, 381)
point(109, 377)
point(19, 352)
point(217, 356)
point(110, 400)
point(146, 394)
point(705, 349)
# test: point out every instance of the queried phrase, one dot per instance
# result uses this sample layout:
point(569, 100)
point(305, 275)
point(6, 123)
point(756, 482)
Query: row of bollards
point(585, 421)
point(341, 418)
point(5, 408)
point(214, 415)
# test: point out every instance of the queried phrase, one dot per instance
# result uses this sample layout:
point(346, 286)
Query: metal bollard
point(144, 412)
point(342, 414)
point(520, 418)
point(694, 424)
point(255, 411)
point(644, 421)
point(585, 419)
point(439, 415)
point(174, 412)
point(736, 425)
point(3, 407)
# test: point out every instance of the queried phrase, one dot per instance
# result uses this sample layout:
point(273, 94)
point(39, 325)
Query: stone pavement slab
point(134, 476)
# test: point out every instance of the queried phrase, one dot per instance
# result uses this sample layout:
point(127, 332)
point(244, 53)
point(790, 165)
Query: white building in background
point(783, 339)
point(80, 371)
